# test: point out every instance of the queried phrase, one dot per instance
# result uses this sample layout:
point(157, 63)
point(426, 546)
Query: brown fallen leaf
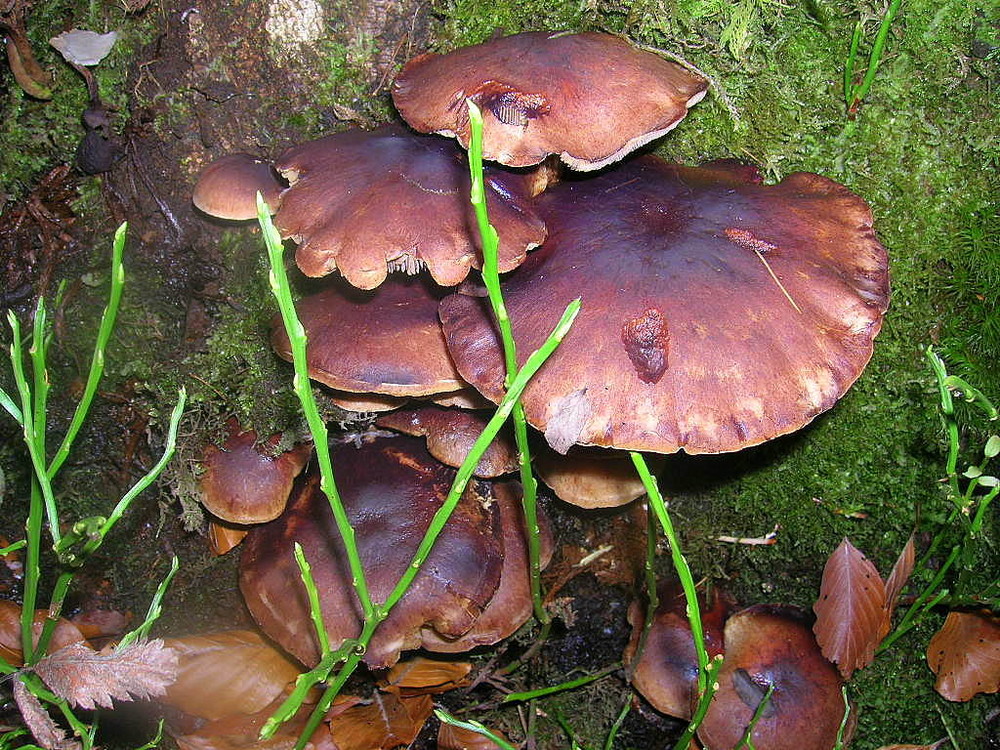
point(421, 674)
point(898, 577)
point(451, 737)
point(935, 746)
point(47, 733)
point(10, 632)
point(242, 732)
point(232, 672)
point(387, 722)
point(850, 611)
point(965, 655)
point(88, 678)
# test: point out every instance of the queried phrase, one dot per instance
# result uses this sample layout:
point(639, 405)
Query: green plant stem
point(491, 278)
point(97, 361)
point(746, 740)
point(616, 726)
point(464, 473)
point(473, 726)
point(860, 91)
point(652, 596)
point(706, 667)
point(315, 611)
point(155, 607)
point(562, 686)
point(297, 338)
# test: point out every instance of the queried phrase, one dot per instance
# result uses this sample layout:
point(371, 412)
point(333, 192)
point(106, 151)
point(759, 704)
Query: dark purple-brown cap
point(451, 434)
point(591, 97)
point(386, 341)
point(366, 203)
point(228, 187)
point(391, 490)
point(772, 646)
point(717, 312)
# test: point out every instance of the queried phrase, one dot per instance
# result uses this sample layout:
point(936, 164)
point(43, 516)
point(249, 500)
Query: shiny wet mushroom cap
point(367, 203)
point(390, 489)
point(772, 646)
point(243, 482)
point(451, 434)
point(717, 313)
point(227, 188)
point(386, 341)
point(591, 98)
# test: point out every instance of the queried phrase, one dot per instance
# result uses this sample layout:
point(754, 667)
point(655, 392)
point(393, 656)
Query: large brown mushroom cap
point(390, 489)
point(365, 203)
point(772, 645)
point(591, 98)
point(387, 341)
point(717, 313)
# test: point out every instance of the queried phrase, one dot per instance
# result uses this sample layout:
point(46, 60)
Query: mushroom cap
point(242, 484)
point(592, 477)
point(387, 341)
point(666, 673)
point(774, 645)
point(451, 434)
point(717, 313)
point(511, 605)
point(366, 203)
point(591, 97)
point(390, 490)
point(228, 187)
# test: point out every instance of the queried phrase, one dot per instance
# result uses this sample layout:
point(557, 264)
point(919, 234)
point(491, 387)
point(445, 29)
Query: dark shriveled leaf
point(88, 678)
point(47, 733)
point(850, 611)
point(965, 655)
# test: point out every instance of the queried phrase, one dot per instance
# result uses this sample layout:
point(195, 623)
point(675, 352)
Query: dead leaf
point(242, 732)
point(421, 674)
point(385, 723)
point(47, 733)
point(850, 611)
point(10, 632)
point(451, 737)
point(965, 655)
point(88, 678)
point(233, 672)
point(935, 746)
point(897, 579)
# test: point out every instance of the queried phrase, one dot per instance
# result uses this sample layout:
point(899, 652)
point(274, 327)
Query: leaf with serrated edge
point(47, 733)
point(965, 655)
point(898, 577)
point(850, 611)
point(88, 678)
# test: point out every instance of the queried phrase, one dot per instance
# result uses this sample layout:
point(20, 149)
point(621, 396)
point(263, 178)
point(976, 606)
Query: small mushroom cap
point(366, 203)
point(451, 434)
point(228, 187)
point(592, 477)
point(716, 314)
point(242, 484)
point(774, 645)
point(387, 341)
point(666, 673)
point(390, 489)
point(591, 98)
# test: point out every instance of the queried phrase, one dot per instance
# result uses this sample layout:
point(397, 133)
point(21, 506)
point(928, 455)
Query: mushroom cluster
point(718, 312)
point(772, 669)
